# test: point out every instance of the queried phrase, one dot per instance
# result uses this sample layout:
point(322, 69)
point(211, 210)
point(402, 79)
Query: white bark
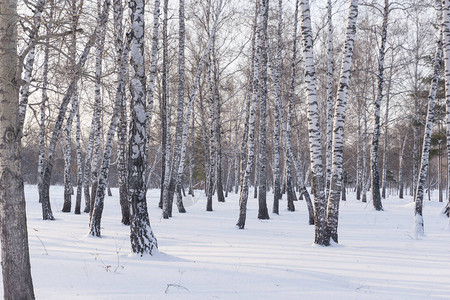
point(315, 135)
point(424, 162)
point(376, 197)
point(141, 235)
point(339, 125)
point(446, 40)
point(329, 96)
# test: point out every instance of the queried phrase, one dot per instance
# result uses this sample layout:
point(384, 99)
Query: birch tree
point(446, 41)
point(424, 162)
point(123, 124)
point(122, 52)
point(376, 197)
point(263, 213)
point(98, 103)
point(167, 205)
point(251, 125)
point(212, 142)
point(75, 9)
point(97, 208)
point(44, 194)
point(16, 270)
point(192, 96)
point(315, 135)
point(339, 125)
point(294, 161)
point(142, 239)
point(329, 102)
point(175, 185)
point(276, 135)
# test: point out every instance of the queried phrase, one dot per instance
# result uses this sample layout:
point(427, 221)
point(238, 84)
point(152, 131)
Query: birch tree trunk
point(68, 187)
point(401, 166)
point(79, 181)
point(16, 270)
point(291, 159)
point(218, 128)
point(44, 103)
point(29, 62)
point(212, 143)
point(418, 216)
point(263, 213)
point(386, 131)
point(359, 161)
point(339, 126)
point(153, 65)
point(45, 193)
point(315, 135)
point(376, 197)
point(123, 124)
point(165, 162)
point(87, 166)
point(192, 97)
point(329, 96)
point(103, 178)
point(167, 205)
point(251, 127)
point(276, 134)
point(180, 108)
point(446, 40)
point(364, 160)
point(141, 235)
point(98, 107)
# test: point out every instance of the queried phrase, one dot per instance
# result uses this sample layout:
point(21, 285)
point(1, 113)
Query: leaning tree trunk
point(104, 173)
point(339, 125)
point(16, 270)
point(315, 135)
point(141, 234)
point(376, 197)
point(263, 213)
point(418, 217)
point(45, 193)
point(29, 62)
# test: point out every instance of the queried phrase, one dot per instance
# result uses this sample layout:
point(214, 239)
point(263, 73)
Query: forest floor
point(202, 255)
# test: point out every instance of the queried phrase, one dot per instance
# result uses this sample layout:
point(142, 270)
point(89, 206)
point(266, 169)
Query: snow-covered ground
point(204, 256)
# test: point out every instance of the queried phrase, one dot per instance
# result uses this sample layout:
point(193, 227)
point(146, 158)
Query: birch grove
point(219, 96)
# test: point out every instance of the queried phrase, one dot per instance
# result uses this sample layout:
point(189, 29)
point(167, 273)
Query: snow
point(202, 255)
